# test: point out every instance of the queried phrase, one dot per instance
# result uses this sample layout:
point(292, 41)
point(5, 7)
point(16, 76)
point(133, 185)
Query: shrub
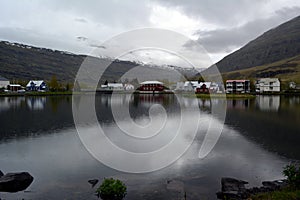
point(112, 189)
point(292, 172)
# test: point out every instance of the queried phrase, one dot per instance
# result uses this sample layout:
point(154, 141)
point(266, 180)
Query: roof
point(236, 81)
point(3, 79)
point(151, 82)
point(14, 85)
point(196, 83)
point(115, 85)
point(36, 82)
point(268, 79)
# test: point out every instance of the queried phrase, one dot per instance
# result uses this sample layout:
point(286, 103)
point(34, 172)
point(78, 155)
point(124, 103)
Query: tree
point(112, 189)
point(292, 172)
point(201, 79)
point(76, 87)
point(53, 85)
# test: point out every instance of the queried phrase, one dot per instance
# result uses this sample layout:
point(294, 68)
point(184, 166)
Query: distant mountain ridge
point(24, 62)
point(276, 44)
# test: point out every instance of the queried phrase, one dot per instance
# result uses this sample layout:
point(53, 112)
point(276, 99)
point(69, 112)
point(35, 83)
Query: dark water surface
point(37, 134)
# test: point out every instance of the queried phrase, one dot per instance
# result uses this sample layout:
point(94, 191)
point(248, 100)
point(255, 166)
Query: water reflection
point(35, 103)
point(7, 103)
point(268, 103)
point(38, 135)
point(238, 104)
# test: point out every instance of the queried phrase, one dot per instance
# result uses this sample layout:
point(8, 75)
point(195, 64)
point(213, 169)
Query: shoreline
point(185, 94)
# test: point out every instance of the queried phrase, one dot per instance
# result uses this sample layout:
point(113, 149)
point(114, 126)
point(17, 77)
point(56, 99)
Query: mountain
point(274, 45)
point(24, 62)
point(286, 70)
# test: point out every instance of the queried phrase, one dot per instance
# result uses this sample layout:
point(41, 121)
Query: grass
point(286, 194)
point(36, 94)
point(227, 96)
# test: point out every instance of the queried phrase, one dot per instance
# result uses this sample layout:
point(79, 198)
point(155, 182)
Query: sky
point(220, 27)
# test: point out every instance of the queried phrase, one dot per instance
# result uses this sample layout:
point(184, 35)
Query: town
point(259, 86)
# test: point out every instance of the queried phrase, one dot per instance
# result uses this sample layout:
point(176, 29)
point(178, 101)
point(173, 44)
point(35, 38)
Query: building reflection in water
point(241, 104)
point(36, 103)
point(268, 102)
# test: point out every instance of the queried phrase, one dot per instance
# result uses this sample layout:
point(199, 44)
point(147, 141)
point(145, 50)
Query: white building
point(267, 85)
point(191, 86)
point(113, 86)
point(128, 87)
point(4, 82)
point(36, 85)
point(238, 86)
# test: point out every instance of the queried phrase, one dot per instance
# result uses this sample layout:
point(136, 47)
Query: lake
point(260, 136)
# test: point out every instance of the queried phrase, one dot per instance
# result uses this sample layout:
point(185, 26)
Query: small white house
point(4, 82)
point(267, 85)
point(36, 85)
point(128, 87)
point(192, 86)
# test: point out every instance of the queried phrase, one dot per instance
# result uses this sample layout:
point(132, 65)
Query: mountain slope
point(286, 70)
point(276, 44)
point(23, 62)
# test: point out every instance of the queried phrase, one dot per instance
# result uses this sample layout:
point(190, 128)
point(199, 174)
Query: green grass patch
point(221, 96)
point(6, 94)
point(286, 194)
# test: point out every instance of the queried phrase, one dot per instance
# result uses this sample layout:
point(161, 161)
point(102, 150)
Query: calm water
point(38, 135)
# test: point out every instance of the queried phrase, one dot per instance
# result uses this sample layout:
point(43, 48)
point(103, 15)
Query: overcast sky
point(79, 26)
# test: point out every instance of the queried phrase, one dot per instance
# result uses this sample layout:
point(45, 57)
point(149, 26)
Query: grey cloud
point(223, 13)
point(226, 40)
point(81, 38)
point(81, 20)
point(111, 13)
point(98, 46)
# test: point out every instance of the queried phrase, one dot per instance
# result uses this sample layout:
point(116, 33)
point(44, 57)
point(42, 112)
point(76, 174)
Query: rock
point(275, 185)
point(1, 173)
point(231, 184)
point(93, 182)
point(233, 189)
point(14, 182)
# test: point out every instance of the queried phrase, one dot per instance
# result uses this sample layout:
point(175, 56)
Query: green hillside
point(286, 70)
point(279, 43)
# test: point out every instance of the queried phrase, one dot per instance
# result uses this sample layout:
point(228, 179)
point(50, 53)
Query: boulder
point(93, 182)
point(1, 173)
point(233, 189)
point(275, 185)
point(14, 182)
point(231, 184)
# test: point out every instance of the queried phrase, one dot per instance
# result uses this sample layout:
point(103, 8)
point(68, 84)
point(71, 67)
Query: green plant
point(112, 189)
point(292, 172)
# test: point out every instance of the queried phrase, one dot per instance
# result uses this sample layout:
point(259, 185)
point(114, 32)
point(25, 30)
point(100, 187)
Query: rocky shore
point(236, 190)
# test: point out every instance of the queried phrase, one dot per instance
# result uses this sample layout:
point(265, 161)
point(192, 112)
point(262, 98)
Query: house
point(151, 87)
point(4, 82)
point(128, 87)
point(36, 85)
point(267, 85)
point(237, 86)
point(203, 89)
point(189, 86)
point(14, 87)
point(195, 86)
point(292, 85)
point(113, 87)
point(179, 86)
